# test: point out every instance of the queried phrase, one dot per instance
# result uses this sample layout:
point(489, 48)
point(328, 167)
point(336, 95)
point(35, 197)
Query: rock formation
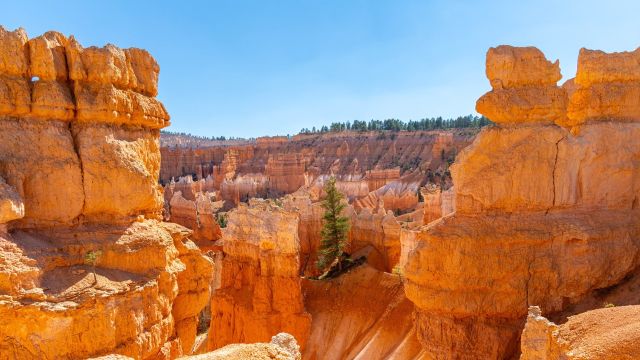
point(375, 229)
point(79, 167)
point(260, 291)
point(544, 216)
point(363, 314)
point(602, 334)
point(362, 163)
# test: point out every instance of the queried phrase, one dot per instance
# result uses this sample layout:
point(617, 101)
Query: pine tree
point(334, 229)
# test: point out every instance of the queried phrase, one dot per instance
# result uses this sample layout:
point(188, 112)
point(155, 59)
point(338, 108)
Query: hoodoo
point(79, 167)
point(546, 205)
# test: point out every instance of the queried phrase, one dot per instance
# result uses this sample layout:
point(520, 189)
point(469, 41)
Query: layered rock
point(79, 163)
point(274, 167)
point(260, 291)
point(437, 203)
point(543, 216)
point(607, 87)
point(524, 87)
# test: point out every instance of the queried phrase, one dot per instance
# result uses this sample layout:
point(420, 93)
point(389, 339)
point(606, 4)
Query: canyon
point(517, 240)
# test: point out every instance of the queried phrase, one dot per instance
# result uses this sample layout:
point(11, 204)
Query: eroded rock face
point(362, 314)
point(543, 216)
point(609, 333)
point(78, 175)
point(607, 87)
point(524, 87)
point(260, 292)
point(361, 162)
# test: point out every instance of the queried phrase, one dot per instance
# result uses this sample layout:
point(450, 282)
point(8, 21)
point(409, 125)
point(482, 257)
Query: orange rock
point(524, 105)
point(13, 53)
point(524, 87)
point(544, 216)
point(49, 162)
point(52, 100)
point(260, 292)
point(15, 96)
point(77, 184)
point(604, 102)
point(596, 67)
point(47, 57)
point(513, 67)
point(120, 170)
point(11, 203)
point(607, 87)
point(602, 334)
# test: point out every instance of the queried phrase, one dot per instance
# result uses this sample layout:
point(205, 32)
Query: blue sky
point(251, 68)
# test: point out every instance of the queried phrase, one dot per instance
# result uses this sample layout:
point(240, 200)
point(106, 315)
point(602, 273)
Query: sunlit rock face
point(260, 291)
point(79, 167)
point(546, 211)
point(601, 334)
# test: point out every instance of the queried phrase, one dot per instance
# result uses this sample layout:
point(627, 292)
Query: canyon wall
point(546, 204)
point(362, 162)
point(87, 268)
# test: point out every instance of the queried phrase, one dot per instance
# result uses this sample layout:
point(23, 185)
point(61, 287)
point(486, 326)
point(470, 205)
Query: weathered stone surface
point(260, 293)
point(35, 158)
point(120, 170)
point(595, 66)
point(524, 105)
point(52, 100)
point(69, 189)
point(544, 216)
point(15, 96)
point(47, 54)
point(543, 168)
point(605, 102)
point(282, 347)
point(13, 53)
point(11, 203)
point(607, 87)
point(512, 67)
point(524, 87)
point(610, 333)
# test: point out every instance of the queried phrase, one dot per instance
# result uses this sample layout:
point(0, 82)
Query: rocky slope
point(363, 314)
point(79, 163)
point(546, 205)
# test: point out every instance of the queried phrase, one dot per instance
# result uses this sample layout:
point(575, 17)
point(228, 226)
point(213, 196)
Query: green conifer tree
point(334, 229)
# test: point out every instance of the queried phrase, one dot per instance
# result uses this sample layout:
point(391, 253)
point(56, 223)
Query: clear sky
point(251, 68)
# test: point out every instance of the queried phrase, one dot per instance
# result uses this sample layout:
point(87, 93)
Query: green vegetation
point(468, 121)
point(90, 258)
point(334, 230)
point(221, 218)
